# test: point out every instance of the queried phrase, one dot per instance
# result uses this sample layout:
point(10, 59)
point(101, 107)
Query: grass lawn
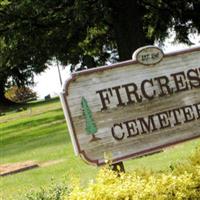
point(39, 134)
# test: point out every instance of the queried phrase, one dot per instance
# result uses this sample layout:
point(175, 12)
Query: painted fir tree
point(90, 128)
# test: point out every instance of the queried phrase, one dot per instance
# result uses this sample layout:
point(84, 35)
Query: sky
point(48, 81)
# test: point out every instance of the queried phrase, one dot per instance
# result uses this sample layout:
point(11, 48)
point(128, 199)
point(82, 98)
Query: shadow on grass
point(42, 102)
point(31, 130)
point(16, 106)
point(41, 137)
point(30, 121)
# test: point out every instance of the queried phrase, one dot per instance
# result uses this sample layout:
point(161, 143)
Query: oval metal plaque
point(148, 55)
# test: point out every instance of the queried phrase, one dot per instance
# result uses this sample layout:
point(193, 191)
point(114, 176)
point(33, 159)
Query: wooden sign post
point(135, 107)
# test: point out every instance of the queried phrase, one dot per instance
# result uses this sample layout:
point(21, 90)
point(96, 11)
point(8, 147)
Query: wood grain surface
point(137, 109)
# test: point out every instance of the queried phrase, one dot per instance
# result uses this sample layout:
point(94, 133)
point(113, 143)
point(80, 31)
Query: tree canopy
point(84, 31)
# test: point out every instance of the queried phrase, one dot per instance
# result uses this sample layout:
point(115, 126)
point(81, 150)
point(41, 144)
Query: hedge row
point(181, 182)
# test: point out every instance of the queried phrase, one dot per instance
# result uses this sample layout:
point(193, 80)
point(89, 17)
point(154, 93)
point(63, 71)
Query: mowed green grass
point(40, 134)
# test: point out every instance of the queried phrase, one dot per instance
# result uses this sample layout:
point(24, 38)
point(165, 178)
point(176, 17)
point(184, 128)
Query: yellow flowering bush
point(182, 182)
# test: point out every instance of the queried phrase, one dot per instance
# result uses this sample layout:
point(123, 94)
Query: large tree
point(84, 31)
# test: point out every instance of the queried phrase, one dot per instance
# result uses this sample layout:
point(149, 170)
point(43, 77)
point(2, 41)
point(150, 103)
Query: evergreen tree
point(90, 128)
point(89, 32)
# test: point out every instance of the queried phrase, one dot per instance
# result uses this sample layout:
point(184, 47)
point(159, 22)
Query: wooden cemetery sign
point(135, 107)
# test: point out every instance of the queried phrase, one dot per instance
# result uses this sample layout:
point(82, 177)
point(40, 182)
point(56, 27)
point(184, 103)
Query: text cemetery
point(136, 107)
point(148, 90)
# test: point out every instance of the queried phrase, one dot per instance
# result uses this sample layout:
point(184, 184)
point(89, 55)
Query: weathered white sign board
point(130, 109)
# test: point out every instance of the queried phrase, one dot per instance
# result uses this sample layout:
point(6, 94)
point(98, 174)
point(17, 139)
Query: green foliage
point(33, 32)
point(20, 94)
point(181, 183)
point(54, 192)
point(4, 3)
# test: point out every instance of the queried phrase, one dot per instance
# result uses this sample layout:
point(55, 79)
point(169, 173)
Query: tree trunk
point(3, 100)
point(128, 27)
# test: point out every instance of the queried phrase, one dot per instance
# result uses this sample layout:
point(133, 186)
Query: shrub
point(54, 192)
point(20, 94)
point(183, 182)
